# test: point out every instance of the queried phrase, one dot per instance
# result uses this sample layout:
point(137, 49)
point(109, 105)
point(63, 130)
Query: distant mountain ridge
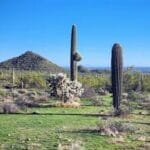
point(31, 61)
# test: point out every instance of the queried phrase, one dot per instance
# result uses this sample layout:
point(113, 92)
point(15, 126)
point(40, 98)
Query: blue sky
point(44, 26)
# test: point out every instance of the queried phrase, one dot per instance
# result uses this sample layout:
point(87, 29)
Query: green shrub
point(95, 80)
point(123, 110)
point(32, 80)
point(134, 96)
point(97, 101)
point(3, 92)
point(146, 83)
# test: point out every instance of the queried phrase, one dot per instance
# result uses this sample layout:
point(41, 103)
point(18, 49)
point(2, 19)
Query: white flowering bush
point(62, 88)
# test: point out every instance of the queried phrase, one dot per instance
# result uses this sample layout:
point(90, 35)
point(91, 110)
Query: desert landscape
point(47, 106)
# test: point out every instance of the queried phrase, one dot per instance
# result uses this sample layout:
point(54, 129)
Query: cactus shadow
point(61, 114)
point(134, 122)
point(84, 131)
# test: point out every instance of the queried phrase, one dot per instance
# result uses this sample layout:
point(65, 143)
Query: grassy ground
point(58, 128)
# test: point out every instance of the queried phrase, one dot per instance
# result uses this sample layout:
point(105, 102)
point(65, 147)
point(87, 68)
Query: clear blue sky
point(44, 26)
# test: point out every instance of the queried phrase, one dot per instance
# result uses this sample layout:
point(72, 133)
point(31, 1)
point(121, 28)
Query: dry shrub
point(25, 101)
point(89, 92)
point(124, 110)
point(32, 93)
point(113, 128)
point(9, 108)
point(144, 146)
point(102, 91)
point(97, 101)
point(42, 99)
point(68, 104)
point(116, 140)
point(73, 145)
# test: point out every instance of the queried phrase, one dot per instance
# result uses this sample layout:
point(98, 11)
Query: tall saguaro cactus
point(116, 74)
point(75, 57)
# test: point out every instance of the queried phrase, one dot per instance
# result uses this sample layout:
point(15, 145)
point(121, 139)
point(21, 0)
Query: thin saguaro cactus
point(74, 57)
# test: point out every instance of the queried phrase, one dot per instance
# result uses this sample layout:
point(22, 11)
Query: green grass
point(56, 126)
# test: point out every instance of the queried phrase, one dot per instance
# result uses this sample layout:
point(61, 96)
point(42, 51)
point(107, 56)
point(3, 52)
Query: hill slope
point(31, 61)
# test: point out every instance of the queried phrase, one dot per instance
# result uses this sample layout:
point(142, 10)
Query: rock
point(124, 95)
point(142, 138)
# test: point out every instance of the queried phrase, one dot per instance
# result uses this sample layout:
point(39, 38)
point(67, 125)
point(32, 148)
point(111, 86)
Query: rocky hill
point(31, 61)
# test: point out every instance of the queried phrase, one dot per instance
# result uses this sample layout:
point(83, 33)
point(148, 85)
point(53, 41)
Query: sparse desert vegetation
point(39, 110)
point(31, 118)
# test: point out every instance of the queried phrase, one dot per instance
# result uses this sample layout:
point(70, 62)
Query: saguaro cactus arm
point(77, 57)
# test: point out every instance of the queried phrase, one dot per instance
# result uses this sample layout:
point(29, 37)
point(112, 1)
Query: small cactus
point(141, 82)
point(21, 79)
point(13, 77)
point(116, 75)
point(74, 56)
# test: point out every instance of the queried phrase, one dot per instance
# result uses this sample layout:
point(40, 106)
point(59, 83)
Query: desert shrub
point(82, 69)
point(9, 108)
point(89, 92)
point(15, 93)
point(101, 91)
point(32, 93)
point(142, 99)
point(136, 81)
point(146, 83)
point(42, 99)
point(42, 96)
point(95, 80)
point(124, 110)
point(30, 98)
point(126, 107)
point(97, 101)
point(130, 81)
point(3, 92)
point(124, 95)
point(25, 101)
point(145, 145)
point(67, 105)
point(112, 127)
point(4, 75)
point(134, 96)
point(32, 80)
point(64, 89)
point(146, 98)
point(22, 91)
